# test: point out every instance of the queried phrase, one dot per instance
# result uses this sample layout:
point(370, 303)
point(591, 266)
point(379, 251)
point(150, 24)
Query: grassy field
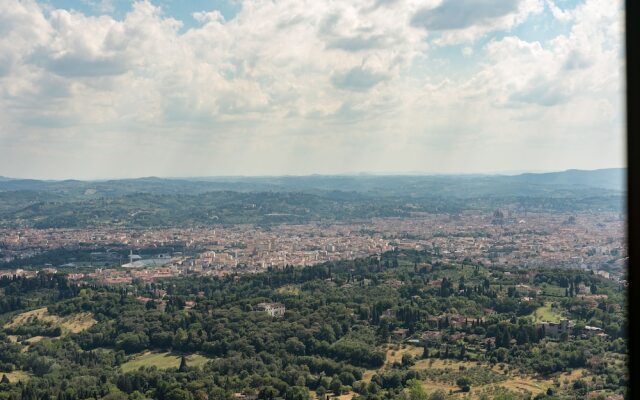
point(289, 290)
point(547, 313)
point(395, 354)
point(432, 386)
point(368, 374)
point(16, 376)
point(551, 290)
point(345, 396)
point(521, 385)
point(526, 385)
point(69, 324)
point(436, 363)
point(162, 361)
point(27, 343)
point(513, 381)
point(534, 385)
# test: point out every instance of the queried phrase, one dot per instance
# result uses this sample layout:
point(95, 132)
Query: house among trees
point(400, 333)
point(555, 330)
point(451, 320)
point(431, 336)
point(396, 283)
point(433, 322)
point(457, 320)
point(273, 309)
point(593, 331)
point(526, 290)
point(456, 336)
point(388, 313)
point(245, 396)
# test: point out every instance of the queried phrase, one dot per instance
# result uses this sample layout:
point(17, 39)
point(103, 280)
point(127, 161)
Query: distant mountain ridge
point(609, 178)
point(461, 186)
point(152, 201)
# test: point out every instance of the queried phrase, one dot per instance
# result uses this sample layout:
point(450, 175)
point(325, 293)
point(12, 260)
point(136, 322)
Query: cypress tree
point(183, 364)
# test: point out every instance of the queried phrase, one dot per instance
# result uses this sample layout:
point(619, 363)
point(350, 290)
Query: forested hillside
point(153, 202)
point(403, 326)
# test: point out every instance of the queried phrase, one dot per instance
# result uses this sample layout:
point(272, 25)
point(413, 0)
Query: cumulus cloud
point(540, 92)
point(358, 79)
point(73, 65)
point(461, 14)
point(467, 20)
point(558, 13)
point(570, 66)
point(317, 86)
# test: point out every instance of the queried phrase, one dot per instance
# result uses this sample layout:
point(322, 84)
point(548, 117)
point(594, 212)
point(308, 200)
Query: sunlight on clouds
point(306, 87)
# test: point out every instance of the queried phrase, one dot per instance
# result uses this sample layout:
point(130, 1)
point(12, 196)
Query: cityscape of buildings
point(589, 241)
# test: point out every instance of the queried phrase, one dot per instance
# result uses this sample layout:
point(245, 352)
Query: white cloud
point(558, 13)
point(468, 20)
point(319, 87)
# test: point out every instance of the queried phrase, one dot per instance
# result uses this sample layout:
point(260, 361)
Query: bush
point(464, 384)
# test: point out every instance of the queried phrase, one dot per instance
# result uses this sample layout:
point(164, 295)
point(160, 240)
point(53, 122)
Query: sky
point(115, 88)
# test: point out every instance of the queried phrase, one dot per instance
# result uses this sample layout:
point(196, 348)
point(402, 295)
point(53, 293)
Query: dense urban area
point(590, 241)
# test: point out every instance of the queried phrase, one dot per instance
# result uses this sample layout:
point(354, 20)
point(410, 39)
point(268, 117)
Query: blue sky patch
point(177, 9)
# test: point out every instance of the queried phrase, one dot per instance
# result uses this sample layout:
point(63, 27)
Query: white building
point(273, 309)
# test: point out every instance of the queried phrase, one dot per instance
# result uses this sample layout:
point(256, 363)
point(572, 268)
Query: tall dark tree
point(183, 364)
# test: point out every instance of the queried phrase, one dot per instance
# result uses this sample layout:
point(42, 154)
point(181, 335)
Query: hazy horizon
point(346, 174)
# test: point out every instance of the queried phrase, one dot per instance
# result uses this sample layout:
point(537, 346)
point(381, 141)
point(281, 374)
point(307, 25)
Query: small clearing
point(16, 376)
point(162, 361)
point(395, 354)
point(547, 313)
point(69, 324)
point(290, 290)
point(437, 363)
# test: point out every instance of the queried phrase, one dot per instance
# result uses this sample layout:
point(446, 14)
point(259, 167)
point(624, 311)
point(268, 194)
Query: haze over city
point(106, 89)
